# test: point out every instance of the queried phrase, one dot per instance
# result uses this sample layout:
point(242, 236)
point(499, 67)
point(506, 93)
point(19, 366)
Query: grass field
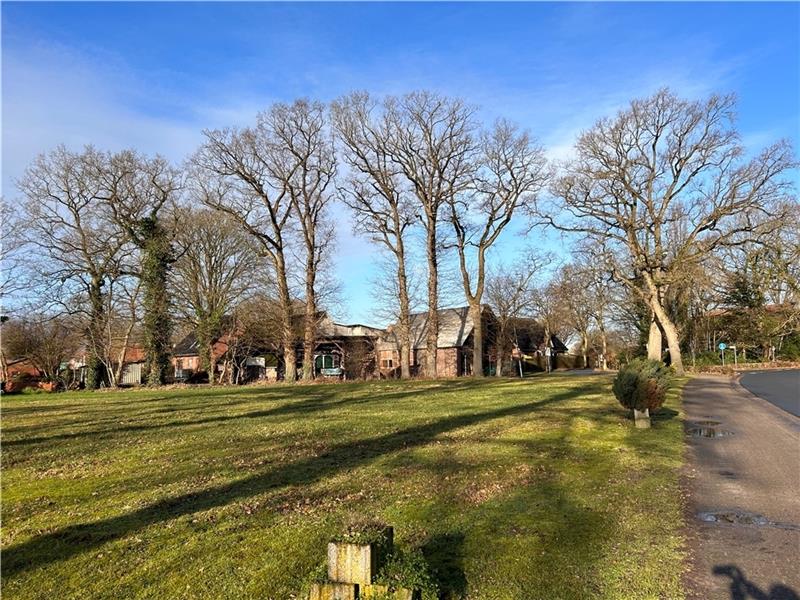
point(512, 489)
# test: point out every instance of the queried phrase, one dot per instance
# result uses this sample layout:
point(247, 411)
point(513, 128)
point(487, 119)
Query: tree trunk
point(310, 321)
point(287, 333)
point(95, 369)
point(654, 341)
point(585, 348)
point(404, 322)
point(477, 339)
point(671, 333)
point(433, 301)
point(157, 324)
point(604, 342)
point(501, 344)
point(3, 365)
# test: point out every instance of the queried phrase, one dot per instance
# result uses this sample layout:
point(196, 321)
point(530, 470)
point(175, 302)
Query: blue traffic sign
point(722, 346)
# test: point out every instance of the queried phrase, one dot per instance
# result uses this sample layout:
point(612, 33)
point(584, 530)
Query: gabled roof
point(528, 334)
point(455, 326)
point(329, 329)
point(188, 346)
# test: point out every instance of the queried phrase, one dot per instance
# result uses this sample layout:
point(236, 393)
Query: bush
point(409, 569)
point(642, 384)
point(363, 532)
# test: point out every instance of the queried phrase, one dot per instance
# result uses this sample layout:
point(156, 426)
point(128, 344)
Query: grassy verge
point(512, 489)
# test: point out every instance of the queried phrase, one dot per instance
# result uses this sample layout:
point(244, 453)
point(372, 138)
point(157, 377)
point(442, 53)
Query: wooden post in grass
point(642, 418)
point(357, 562)
point(334, 591)
point(353, 562)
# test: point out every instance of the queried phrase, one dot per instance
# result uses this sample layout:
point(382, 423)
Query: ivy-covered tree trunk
point(95, 367)
point(157, 324)
point(208, 330)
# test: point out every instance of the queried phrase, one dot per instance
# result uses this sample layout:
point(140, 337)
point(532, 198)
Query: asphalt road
point(781, 388)
point(743, 504)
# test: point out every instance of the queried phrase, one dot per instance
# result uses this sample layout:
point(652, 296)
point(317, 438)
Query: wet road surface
point(743, 505)
point(781, 388)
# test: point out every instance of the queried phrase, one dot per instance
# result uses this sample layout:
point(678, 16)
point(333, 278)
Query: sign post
point(722, 347)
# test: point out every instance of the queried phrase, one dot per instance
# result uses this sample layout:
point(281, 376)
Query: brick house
point(454, 343)
point(342, 351)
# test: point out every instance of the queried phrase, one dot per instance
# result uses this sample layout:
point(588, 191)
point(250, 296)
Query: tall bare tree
point(572, 291)
point(432, 141)
point(549, 309)
point(12, 260)
point(71, 229)
point(244, 173)
point(123, 314)
point(376, 193)
point(138, 191)
point(665, 182)
point(306, 143)
point(509, 293)
point(216, 269)
point(509, 170)
point(602, 294)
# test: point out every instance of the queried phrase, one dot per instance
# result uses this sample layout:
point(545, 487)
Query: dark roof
point(188, 346)
point(529, 335)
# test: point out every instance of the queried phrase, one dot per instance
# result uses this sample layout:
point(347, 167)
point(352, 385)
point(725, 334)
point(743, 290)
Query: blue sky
point(152, 75)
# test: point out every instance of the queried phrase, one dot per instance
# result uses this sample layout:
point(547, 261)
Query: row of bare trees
point(425, 159)
point(654, 196)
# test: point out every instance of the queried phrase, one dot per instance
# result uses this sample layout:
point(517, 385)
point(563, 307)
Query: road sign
point(722, 346)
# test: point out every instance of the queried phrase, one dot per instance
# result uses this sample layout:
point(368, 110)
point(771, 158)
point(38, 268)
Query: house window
point(387, 363)
point(326, 361)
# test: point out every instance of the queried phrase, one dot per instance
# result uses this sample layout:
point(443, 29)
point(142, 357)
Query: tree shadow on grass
point(293, 408)
point(444, 554)
point(75, 539)
point(319, 400)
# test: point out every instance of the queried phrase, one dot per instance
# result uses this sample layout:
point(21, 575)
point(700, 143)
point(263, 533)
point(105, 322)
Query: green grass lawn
point(512, 489)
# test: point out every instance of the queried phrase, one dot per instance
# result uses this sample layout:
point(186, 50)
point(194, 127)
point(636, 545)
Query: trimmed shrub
point(409, 569)
point(642, 384)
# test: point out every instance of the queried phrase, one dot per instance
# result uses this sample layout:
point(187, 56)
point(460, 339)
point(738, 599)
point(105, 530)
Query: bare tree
point(602, 294)
point(244, 173)
point(79, 246)
point(509, 293)
point(138, 190)
point(573, 292)
point(664, 183)
point(376, 193)
point(216, 269)
point(46, 341)
point(510, 170)
point(123, 314)
point(548, 307)
point(12, 262)
point(432, 141)
point(303, 138)
point(11, 267)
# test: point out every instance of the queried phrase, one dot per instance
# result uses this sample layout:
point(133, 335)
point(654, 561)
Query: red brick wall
point(447, 362)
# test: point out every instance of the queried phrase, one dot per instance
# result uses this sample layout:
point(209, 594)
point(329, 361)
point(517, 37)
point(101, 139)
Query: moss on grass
point(511, 489)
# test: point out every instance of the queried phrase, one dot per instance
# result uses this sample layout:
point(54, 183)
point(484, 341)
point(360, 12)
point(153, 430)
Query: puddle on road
point(709, 432)
point(736, 517)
